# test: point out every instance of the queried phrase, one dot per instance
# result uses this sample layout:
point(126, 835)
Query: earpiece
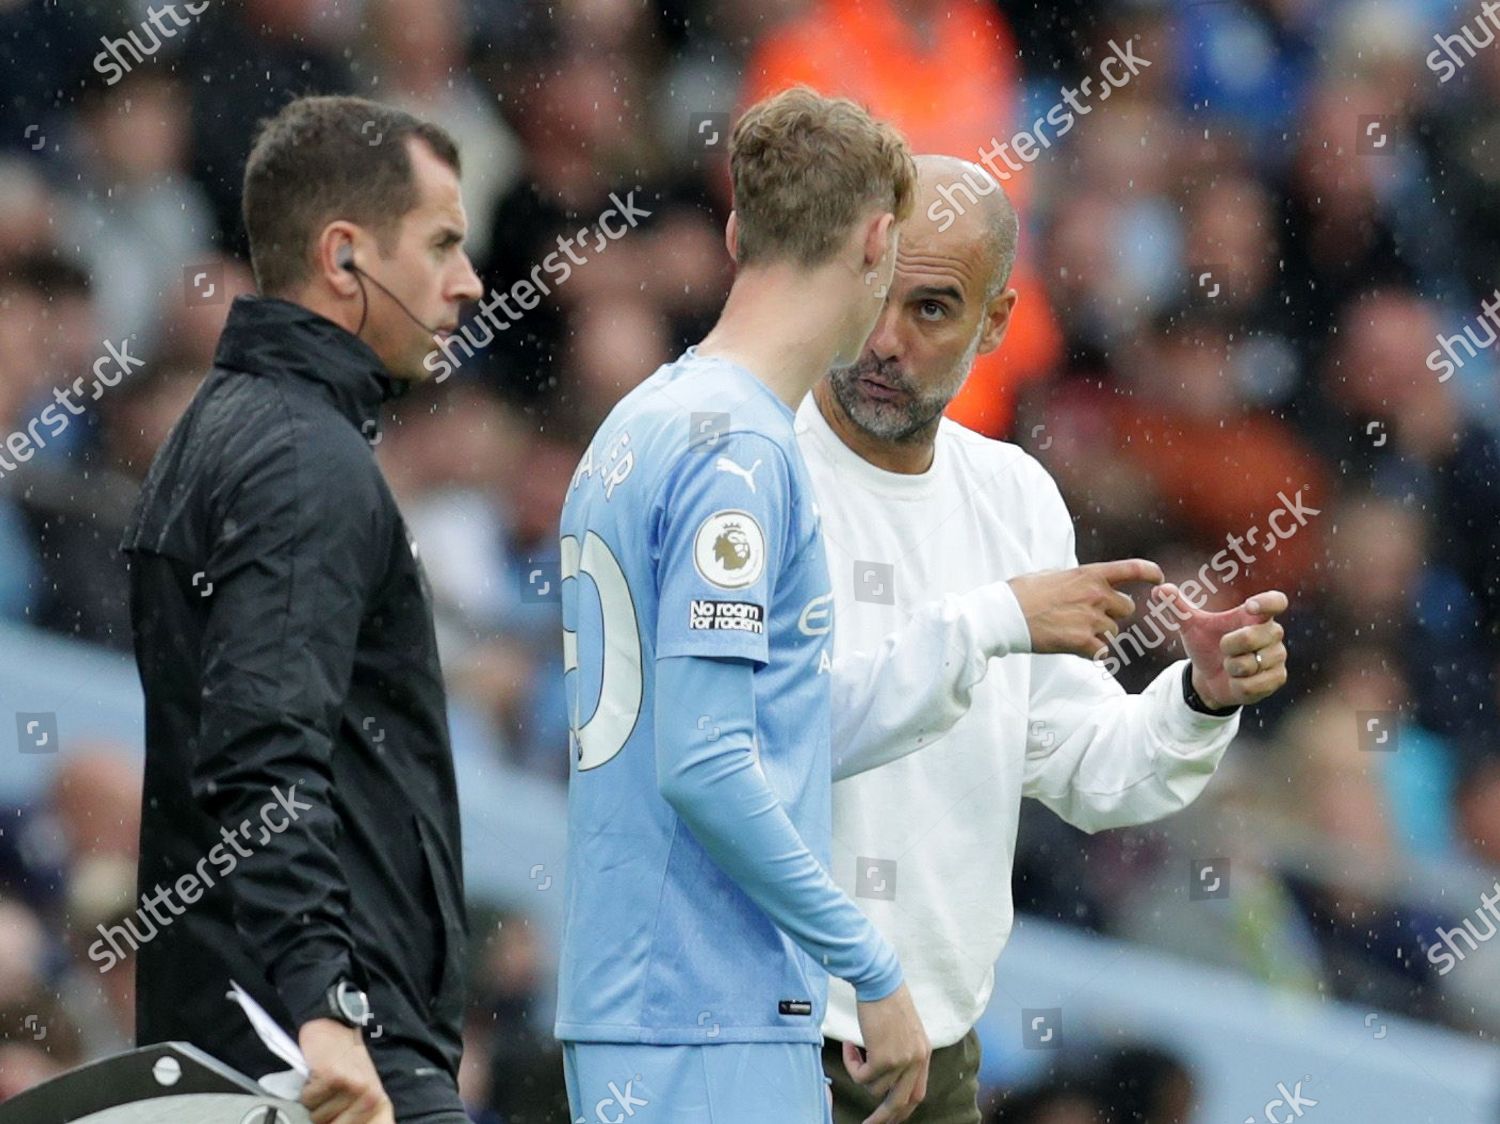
point(344, 259)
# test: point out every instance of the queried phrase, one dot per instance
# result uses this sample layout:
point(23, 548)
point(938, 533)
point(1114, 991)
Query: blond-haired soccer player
point(701, 920)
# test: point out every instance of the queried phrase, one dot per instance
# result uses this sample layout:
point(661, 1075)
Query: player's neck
point(779, 326)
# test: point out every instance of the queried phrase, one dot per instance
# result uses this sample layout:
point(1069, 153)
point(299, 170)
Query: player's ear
point(880, 239)
point(731, 236)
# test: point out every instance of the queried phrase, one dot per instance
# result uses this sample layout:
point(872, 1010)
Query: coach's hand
point(1238, 655)
point(893, 1064)
point(1075, 611)
point(344, 1087)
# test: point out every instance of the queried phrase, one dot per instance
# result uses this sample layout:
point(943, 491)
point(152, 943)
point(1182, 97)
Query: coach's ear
point(997, 313)
point(732, 237)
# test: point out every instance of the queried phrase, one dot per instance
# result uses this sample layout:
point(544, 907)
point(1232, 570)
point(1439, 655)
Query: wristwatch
point(1195, 700)
point(348, 1005)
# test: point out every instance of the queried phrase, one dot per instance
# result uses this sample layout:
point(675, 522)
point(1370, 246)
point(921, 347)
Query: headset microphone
point(345, 260)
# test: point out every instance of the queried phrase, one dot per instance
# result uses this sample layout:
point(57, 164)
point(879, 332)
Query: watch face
point(353, 1004)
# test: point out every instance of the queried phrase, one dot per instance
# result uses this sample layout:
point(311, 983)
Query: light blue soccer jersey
point(690, 530)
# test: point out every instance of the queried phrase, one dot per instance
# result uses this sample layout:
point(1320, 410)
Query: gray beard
point(900, 422)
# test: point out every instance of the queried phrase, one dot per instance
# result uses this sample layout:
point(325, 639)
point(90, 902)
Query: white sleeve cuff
point(999, 625)
point(1189, 731)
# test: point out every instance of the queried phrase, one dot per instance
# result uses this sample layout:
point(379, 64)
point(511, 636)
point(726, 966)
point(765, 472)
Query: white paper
point(287, 1084)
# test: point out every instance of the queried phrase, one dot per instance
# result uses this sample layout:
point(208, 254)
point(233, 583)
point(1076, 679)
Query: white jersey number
point(598, 740)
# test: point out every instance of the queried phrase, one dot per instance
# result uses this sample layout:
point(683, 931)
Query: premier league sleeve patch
point(729, 550)
point(726, 616)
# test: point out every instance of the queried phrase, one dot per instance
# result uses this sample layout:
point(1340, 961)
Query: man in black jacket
point(300, 802)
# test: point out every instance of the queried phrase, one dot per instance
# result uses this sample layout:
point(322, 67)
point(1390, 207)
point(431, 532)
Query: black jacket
point(283, 632)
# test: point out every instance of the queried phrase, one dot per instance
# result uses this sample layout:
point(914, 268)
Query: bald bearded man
point(915, 506)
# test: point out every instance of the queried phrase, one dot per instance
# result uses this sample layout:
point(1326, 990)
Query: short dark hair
point(327, 158)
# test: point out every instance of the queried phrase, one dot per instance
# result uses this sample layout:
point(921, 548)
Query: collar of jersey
point(894, 485)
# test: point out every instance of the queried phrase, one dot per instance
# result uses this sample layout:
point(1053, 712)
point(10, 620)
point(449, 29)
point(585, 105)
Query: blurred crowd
point(1254, 273)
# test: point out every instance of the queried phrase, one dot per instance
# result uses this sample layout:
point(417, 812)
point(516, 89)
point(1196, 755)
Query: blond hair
point(805, 168)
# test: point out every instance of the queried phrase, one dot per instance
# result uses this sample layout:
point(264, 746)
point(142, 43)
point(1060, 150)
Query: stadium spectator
point(37, 1042)
point(418, 56)
point(243, 63)
point(137, 219)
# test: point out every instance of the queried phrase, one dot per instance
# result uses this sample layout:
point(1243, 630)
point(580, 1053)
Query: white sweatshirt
point(924, 843)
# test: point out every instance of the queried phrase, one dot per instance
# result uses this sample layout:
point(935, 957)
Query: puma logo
point(724, 464)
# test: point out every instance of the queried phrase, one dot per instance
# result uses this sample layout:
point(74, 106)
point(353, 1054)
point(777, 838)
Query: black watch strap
point(1195, 700)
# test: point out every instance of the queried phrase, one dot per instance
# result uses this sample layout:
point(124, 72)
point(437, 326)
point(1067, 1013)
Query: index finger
point(1128, 570)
